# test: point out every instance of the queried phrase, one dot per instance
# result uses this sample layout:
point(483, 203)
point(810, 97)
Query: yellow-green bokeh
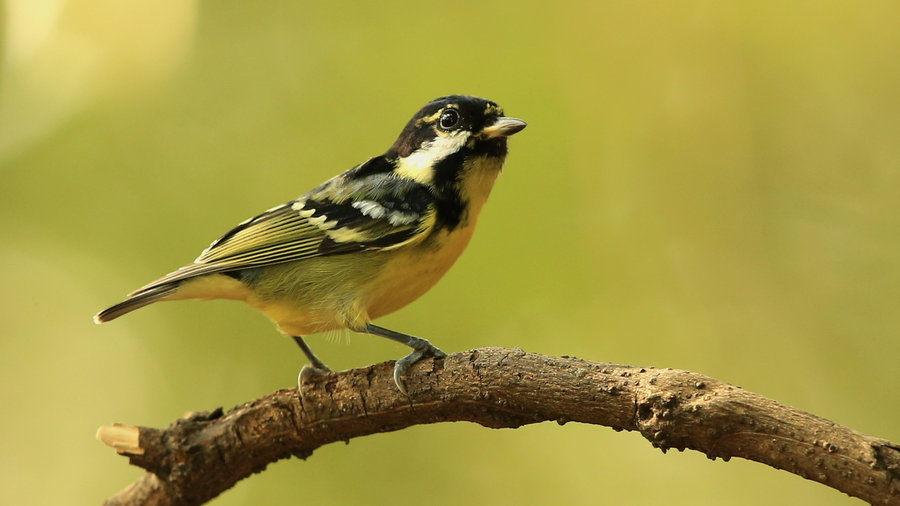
point(712, 186)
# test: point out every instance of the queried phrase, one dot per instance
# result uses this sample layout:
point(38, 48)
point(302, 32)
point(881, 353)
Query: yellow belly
point(348, 291)
point(409, 274)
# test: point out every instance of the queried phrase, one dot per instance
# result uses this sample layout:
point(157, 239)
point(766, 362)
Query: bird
point(364, 243)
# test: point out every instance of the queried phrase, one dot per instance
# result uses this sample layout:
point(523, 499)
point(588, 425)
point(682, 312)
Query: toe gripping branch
point(422, 348)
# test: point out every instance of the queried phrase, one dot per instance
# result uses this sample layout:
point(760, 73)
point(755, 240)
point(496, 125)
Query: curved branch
point(201, 455)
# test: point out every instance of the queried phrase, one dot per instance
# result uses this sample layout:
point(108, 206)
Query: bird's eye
point(449, 119)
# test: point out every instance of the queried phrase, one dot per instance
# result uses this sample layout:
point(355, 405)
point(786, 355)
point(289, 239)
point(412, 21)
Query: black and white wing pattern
point(351, 212)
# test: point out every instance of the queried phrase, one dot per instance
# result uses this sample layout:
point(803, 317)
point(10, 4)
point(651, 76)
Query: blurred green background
point(710, 186)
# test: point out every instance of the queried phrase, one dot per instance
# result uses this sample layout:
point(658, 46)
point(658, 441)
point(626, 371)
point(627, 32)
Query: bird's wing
point(374, 212)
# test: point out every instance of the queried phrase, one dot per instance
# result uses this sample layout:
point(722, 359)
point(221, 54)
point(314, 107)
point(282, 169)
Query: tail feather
point(135, 301)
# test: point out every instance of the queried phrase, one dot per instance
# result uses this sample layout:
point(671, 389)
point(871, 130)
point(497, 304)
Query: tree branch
point(201, 455)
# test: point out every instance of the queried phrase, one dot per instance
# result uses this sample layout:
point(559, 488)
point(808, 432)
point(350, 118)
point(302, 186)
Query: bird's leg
point(313, 359)
point(315, 366)
point(421, 349)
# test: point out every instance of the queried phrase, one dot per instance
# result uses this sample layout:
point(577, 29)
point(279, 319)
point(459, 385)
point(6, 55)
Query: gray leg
point(313, 359)
point(421, 349)
point(315, 366)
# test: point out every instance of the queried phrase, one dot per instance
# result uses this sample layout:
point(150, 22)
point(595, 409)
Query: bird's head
point(450, 138)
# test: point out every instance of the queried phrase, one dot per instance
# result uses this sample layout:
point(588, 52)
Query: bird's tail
point(134, 301)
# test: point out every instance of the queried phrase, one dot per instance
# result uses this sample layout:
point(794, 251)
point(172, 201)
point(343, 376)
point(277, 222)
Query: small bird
point(363, 244)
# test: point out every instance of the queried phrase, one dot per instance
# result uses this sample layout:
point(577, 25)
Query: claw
point(403, 365)
point(309, 372)
point(399, 381)
point(421, 348)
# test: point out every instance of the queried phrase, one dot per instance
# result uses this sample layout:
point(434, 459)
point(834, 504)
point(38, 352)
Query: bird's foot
point(422, 349)
point(315, 367)
point(309, 372)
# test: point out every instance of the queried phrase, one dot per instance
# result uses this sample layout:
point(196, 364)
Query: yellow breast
point(411, 273)
point(413, 270)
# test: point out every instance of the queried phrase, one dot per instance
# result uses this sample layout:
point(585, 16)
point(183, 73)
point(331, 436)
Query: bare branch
point(201, 455)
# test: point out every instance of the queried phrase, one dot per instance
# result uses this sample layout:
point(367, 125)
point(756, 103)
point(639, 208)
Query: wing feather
point(346, 214)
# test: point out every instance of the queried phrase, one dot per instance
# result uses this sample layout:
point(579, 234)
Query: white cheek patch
point(419, 165)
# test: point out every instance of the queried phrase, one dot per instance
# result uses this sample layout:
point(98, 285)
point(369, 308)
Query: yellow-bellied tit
point(363, 244)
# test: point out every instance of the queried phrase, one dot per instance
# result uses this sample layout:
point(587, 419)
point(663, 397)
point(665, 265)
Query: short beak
point(503, 127)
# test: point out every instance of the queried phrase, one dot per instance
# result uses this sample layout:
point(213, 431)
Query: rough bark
point(201, 455)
